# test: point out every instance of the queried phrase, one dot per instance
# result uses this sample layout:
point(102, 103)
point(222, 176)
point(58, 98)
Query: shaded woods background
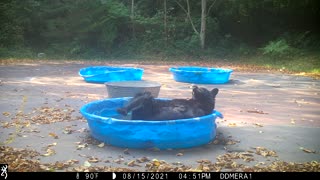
point(134, 28)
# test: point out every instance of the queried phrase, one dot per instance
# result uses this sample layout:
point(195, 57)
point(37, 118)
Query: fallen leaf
point(132, 163)
point(72, 161)
point(307, 150)
point(265, 152)
point(260, 163)
point(50, 152)
point(204, 161)
point(200, 167)
point(67, 130)
point(232, 124)
point(5, 124)
point(101, 145)
point(7, 114)
point(59, 165)
point(80, 146)
point(143, 159)
point(256, 111)
point(216, 141)
point(86, 164)
point(81, 130)
point(155, 162)
point(44, 167)
point(234, 165)
point(34, 130)
point(231, 142)
point(176, 163)
point(93, 160)
point(53, 135)
point(258, 124)
point(53, 144)
point(246, 157)
point(276, 86)
point(118, 161)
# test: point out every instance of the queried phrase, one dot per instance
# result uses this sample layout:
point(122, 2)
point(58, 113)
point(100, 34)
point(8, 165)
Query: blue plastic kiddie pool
point(108, 126)
point(201, 75)
point(102, 74)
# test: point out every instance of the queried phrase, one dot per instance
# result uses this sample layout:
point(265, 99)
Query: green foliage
point(303, 40)
point(278, 47)
point(104, 28)
point(17, 52)
point(308, 63)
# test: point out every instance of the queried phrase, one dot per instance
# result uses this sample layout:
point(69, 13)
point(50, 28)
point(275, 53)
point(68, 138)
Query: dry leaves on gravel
point(47, 115)
point(265, 152)
point(162, 166)
point(19, 120)
point(280, 166)
point(24, 160)
point(41, 115)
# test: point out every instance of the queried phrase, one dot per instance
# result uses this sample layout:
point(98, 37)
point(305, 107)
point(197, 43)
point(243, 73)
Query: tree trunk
point(132, 18)
point(203, 23)
point(202, 33)
point(165, 22)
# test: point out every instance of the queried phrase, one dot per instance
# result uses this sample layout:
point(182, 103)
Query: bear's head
point(205, 97)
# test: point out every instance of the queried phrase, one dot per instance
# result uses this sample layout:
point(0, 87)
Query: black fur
point(145, 107)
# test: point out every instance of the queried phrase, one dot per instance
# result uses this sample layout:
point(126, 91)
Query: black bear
point(145, 107)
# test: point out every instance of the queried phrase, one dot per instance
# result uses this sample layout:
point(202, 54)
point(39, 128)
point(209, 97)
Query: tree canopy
point(119, 28)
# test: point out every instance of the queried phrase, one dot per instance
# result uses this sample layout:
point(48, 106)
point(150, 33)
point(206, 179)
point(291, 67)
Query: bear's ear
point(194, 87)
point(214, 92)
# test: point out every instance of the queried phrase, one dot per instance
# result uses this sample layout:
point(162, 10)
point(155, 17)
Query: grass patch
point(308, 63)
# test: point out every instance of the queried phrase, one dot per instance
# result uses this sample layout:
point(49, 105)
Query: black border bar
point(161, 175)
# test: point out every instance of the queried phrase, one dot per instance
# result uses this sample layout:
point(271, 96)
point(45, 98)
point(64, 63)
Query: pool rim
point(180, 69)
point(121, 69)
point(215, 114)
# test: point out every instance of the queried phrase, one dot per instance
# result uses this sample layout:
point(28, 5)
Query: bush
point(16, 52)
point(305, 40)
point(278, 47)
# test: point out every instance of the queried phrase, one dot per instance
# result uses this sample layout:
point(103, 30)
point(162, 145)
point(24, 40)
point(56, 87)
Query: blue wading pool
point(108, 126)
point(102, 74)
point(200, 75)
